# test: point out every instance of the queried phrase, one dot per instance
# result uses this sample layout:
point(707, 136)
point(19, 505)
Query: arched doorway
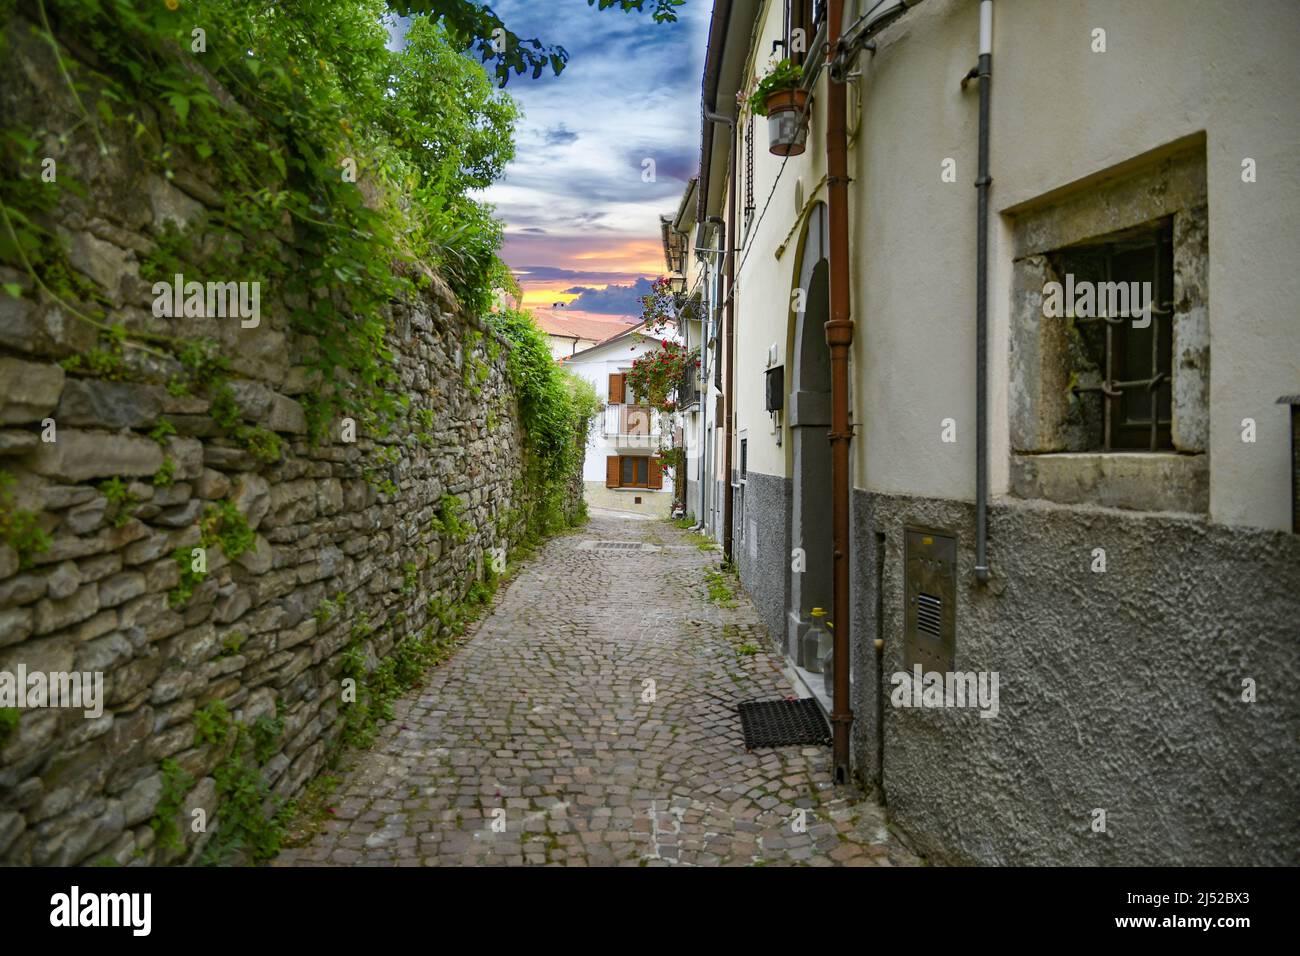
point(810, 418)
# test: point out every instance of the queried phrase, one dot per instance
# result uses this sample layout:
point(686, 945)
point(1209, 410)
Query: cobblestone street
point(539, 723)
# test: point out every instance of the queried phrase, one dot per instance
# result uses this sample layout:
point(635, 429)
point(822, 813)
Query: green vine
point(295, 127)
point(222, 524)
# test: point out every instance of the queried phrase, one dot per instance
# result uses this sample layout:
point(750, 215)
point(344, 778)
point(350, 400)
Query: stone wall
point(253, 634)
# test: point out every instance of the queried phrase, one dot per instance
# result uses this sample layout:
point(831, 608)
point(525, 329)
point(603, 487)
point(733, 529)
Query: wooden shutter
point(615, 388)
point(611, 471)
point(656, 473)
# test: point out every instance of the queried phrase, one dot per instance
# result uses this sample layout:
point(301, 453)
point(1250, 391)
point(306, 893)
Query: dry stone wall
point(342, 563)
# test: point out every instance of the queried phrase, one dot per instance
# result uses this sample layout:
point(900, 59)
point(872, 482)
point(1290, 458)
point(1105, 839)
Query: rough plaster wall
point(1119, 690)
point(74, 790)
point(763, 557)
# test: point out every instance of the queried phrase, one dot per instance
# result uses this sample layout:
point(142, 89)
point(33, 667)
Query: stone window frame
point(1168, 183)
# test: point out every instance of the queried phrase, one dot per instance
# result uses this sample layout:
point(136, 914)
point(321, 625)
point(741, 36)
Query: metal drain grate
point(781, 723)
point(618, 545)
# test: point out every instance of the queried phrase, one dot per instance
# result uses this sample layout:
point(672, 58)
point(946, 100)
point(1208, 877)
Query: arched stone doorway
point(809, 419)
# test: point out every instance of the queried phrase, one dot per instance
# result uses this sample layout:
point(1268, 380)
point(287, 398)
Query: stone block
point(83, 455)
point(116, 405)
point(29, 391)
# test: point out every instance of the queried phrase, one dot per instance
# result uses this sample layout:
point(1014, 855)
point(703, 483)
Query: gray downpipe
point(983, 72)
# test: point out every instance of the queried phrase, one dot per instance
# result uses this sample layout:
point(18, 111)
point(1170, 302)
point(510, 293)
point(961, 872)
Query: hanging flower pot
point(786, 128)
point(781, 98)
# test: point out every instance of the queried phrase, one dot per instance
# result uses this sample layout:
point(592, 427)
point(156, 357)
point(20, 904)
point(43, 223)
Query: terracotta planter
point(786, 129)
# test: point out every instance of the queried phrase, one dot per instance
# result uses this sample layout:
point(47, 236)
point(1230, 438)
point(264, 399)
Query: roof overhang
point(730, 30)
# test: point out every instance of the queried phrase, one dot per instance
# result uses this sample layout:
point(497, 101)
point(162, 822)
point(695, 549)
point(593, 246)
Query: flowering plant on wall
point(782, 78)
point(655, 376)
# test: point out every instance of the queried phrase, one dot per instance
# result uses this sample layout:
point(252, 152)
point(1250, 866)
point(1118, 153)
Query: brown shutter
point(615, 388)
point(611, 471)
point(656, 474)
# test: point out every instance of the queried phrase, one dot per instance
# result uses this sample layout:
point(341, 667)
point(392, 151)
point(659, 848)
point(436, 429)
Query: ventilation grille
point(929, 614)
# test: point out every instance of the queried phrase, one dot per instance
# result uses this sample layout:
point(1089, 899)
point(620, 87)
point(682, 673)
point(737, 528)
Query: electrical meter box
point(775, 391)
point(930, 600)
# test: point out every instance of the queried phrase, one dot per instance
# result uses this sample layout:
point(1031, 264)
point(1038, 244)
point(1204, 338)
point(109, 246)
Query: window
point(634, 471)
point(1122, 363)
point(620, 389)
point(1109, 347)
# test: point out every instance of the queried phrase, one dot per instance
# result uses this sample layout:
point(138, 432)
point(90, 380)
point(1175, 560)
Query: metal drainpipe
point(839, 337)
point(717, 289)
point(984, 73)
point(729, 320)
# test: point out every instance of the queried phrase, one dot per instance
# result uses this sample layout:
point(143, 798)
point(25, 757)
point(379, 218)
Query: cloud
point(559, 135)
point(614, 299)
point(678, 165)
point(629, 92)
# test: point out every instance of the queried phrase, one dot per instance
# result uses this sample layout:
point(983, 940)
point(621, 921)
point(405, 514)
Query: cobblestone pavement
point(539, 723)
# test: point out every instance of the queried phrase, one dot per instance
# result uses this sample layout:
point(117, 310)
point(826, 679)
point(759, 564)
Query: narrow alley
point(541, 715)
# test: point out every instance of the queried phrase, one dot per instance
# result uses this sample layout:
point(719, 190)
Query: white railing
point(631, 424)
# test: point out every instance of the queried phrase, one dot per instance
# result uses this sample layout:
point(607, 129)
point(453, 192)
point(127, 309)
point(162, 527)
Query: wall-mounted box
point(775, 388)
point(930, 600)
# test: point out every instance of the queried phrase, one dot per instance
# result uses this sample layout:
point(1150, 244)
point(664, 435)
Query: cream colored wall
point(1060, 113)
point(765, 279)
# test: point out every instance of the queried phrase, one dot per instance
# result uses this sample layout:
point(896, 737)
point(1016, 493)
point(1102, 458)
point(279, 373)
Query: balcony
point(631, 426)
point(688, 389)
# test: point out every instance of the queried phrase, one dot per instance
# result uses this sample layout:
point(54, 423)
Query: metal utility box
point(930, 600)
point(775, 388)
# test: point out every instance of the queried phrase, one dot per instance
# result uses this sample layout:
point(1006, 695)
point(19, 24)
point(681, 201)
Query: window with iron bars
point(1121, 371)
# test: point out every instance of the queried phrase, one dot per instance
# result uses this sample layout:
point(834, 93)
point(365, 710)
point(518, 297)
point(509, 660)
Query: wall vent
point(929, 614)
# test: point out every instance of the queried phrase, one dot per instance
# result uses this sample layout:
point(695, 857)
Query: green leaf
point(14, 289)
point(181, 104)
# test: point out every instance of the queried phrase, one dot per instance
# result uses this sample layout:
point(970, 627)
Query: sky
point(577, 212)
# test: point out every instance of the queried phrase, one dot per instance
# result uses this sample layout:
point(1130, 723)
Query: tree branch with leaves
point(477, 28)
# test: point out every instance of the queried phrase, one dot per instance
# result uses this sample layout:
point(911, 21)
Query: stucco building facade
point(1141, 601)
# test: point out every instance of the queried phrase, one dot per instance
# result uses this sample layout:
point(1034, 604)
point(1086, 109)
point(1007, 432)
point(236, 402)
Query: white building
point(572, 330)
point(1099, 508)
point(623, 471)
point(689, 257)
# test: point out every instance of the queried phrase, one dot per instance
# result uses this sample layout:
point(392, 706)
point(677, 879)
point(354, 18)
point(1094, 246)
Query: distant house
point(623, 471)
point(572, 330)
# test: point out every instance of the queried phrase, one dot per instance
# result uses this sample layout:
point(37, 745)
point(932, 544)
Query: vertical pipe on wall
point(879, 644)
point(839, 337)
point(983, 72)
point(720, 243)
point(729, 323)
